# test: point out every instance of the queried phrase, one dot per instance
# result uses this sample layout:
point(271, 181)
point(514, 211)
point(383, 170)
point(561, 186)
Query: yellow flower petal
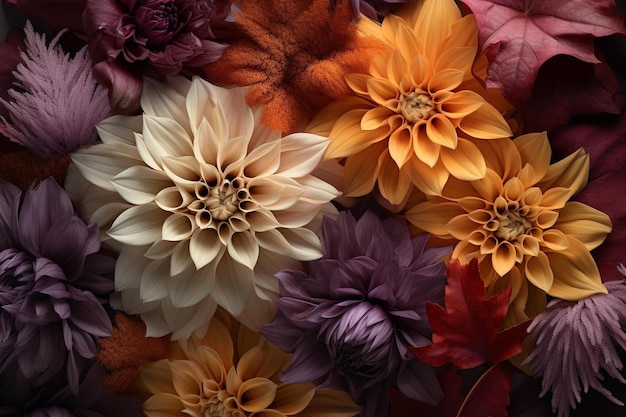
point(256, 394)
point(400, 146)
point(503, 258)
point(393, 185)
point(292, 399)
point(538, 271)
point(571, 172)
point(433, 218)
point(434, 22)
point(465, 162)
point(424, 148)
point(347, 137)
point(584, 223)
point(429, 180)
point(331, 403)
point(440, 131)
point(360, 171)
point(485, 123)
point(576, 275)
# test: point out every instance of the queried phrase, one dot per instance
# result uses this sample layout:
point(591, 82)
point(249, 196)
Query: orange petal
point(433, 217)
point(393, 185)
point(584, 223)
point(538, 271)
point(465, 162)
point(426, 150)
point(440, 131)
point(347, 137)
point(430, 180)
point(503, 259)
point(361, 172)
point(486, 123)
point(576, 275)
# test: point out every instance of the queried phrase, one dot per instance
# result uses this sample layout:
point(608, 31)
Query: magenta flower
point(55, 103)
point(350, 320)
point(129, 38)
point(576, 343)
point(52, 284)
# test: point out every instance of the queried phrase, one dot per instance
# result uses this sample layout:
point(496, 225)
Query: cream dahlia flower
point(204, 204)
point(415, 117)
point(232, 372)
point(519, 223)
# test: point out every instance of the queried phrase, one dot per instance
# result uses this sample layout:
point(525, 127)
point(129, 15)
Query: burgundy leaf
point(518, 36)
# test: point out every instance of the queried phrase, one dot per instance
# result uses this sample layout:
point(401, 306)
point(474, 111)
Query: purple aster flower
point(578, 341)
point(129, 38)
point(52, 281)
point(18, 397)
point(350, 320)
point(375, 9)
point(56, 102)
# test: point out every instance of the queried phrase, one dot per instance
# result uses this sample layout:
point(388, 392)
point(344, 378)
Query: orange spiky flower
point(293, 55)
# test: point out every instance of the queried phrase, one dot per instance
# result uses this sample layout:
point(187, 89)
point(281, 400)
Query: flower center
point(360, 343)
point(157, 20)
point(417, 105)
point(511, 225)
point(218, 201)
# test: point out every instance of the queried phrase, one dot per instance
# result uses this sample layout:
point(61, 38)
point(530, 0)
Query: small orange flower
point(417, 111)
point(232, 372)
point(520, 225)
point(294, 55)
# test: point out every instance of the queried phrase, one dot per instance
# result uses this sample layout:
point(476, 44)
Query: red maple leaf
point(518, 36)
point(466, 333)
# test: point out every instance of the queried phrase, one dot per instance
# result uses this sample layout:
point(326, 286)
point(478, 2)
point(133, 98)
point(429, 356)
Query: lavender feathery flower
point(575, 342)
point(130, 38)
point(350, 320)
point(56, 103)
point(18, 397)
point(52, 281)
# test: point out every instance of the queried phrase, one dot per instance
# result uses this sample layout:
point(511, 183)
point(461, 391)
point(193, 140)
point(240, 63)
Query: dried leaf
point(466, 333)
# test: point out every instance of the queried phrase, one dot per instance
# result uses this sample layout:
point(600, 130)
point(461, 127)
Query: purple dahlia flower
point(18, 397)
point(128, 38)
point(375, 9)
point(51, 281)
point(351, 318)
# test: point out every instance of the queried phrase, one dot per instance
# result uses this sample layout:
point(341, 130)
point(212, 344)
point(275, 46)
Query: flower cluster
point(342, 208)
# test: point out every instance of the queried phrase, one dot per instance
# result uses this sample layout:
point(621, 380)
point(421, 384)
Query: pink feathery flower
point(575, 342)
point(56, 102)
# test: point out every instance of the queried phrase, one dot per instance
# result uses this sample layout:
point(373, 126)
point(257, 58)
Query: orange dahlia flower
point(518, 222)
point(418, 110)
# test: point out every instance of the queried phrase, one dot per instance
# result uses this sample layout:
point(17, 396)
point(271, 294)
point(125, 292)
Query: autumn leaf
point(466, 333)
point(567, 87)
point(518, 36)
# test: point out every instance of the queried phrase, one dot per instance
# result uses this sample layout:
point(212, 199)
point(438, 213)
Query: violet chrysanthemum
point(130, 38)
point(52, 284)
point(375, 9)
point(576, 343)
point(19, 397)
point(56, 103)
point(350, 320)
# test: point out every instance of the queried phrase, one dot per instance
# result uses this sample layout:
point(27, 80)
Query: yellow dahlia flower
point(519, 223)
point(232, 372)
point(416, 114)
point(204, 204)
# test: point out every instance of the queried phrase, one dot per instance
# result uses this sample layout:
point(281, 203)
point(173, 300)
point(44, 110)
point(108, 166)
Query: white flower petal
point(244, 249)
point(301, 154)
point(301, 244)
point(129, 267)
point(316, 190)
point(166, 100)
point(191, 287)
point(177, 227)
point(119, 130)
point(154, 281)
point(263, 160)
point(164, 137)
point(139, 225)
point(275, 192)
point(206, 143)
point(233, 285)
point(140, 184)
point(205, 247)
point(203, 106)
point(99, 163)
point(180, 259)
